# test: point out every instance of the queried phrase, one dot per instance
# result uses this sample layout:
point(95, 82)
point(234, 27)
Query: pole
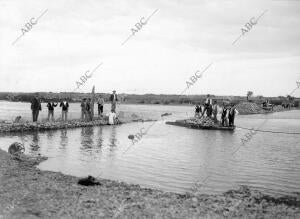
point(93, 101)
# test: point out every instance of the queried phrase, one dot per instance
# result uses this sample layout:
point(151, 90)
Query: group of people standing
point(228, 115)
point(210, 108)
point(64, 110)
point(87, 108)
point(36, 107)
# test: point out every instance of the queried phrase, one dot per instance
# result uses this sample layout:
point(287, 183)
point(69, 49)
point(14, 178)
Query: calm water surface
point(171, 158)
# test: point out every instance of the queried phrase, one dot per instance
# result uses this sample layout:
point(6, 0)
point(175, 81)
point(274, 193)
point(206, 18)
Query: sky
point(180, 38)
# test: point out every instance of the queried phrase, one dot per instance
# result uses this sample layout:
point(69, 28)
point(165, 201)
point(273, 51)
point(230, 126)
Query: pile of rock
point(30, 126)
point(278, 108)
point(249, 108)
point(204, 121)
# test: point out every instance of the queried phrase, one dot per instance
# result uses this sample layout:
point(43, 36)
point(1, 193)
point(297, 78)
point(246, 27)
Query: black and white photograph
point(149, 109)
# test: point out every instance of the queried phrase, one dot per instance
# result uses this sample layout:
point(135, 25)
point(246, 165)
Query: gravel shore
point(27, 192)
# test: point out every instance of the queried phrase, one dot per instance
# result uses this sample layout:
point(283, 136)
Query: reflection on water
point(32, 140)
point(175, 158)
point(63, 138)
point(112, 137)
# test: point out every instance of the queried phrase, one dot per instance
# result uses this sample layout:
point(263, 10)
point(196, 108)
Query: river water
point(168, 157)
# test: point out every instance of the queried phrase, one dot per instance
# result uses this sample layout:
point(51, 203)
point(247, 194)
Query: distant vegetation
point(149, 98)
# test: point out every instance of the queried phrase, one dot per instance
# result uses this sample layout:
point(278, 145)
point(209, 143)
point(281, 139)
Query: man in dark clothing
point(35, 107)
point(64, 110)
point(100, 103)
point(231, 115)
point(209, 110)
point(224, 115)
point(113, 98)
point(198, 111)
point(207, 104)
point(83, 109)
point(51, 106)
point(88, 109)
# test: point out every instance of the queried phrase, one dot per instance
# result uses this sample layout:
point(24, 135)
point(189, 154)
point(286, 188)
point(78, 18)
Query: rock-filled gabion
point(30, 126)
point(253, 108)
point(204, 121)
point(249, 108)
point(43, 126)
point(278, 108)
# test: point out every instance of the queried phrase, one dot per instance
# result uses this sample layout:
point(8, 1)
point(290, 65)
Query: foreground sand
point(27, 192)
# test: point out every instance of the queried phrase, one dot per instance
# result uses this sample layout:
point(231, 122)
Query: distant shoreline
point(159, 99)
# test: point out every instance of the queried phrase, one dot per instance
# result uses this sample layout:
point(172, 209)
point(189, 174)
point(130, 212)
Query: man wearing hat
point(83, 109)
point(35, 107)
point(113, 98)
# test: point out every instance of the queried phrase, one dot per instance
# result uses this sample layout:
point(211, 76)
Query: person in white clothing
point(215, 111)
point(112, 116)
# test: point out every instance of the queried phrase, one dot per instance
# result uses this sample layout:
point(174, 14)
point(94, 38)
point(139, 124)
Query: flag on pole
point(93, 101)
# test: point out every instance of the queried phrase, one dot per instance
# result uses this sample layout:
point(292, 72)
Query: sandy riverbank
point(27, 192)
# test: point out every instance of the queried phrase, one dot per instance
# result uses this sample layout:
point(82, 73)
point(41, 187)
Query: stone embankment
point(33, 126)
point(6, 127)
